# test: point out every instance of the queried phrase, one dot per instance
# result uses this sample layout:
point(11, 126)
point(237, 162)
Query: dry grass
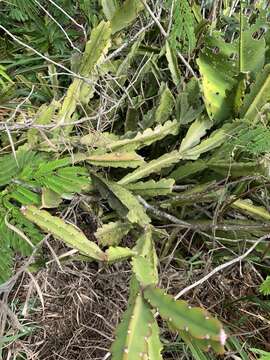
point(83, 304)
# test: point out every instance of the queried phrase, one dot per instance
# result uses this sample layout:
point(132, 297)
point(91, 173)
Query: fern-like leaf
point(265, 286)
point(182, 35)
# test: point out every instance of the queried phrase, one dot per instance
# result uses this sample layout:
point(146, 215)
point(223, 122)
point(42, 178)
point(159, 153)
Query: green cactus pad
point(133, 332)
point(180, 316)
point(68, 233)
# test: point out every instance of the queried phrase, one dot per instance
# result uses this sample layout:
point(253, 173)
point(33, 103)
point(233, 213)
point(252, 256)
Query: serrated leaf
point(96, 48)
point(9, 169)
point(99, 140)
point(145, 248)
point(121, 200)
point(119, 159)
point(79, 91)
point(180, 316)
point(17, 240)
point(172, 64)
point(195, 132)
point(153, 166)
point(258, 96)
point(111, 234)
point(182, 33)
point(144, 244)
point(118, 253)
point(68, 233)
point(216, 139)
point(126, 14)
point(44, 116)
point(151, 187)
point(132, 333)
point(165, 106)
point(146, 138)
point(144, 271)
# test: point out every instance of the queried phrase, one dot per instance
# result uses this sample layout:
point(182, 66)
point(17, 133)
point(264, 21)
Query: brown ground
point(83, 304)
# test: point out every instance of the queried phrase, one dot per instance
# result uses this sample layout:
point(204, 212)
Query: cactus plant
point(133, 332)
point(63, 231)
point(182, 317)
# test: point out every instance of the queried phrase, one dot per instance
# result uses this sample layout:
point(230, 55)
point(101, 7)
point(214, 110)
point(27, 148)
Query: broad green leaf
point(133, 332)
point(221, 64)
point(151, 187)
point(258, 96)
point(165, 106)
point(251, 50)
point(195, 132)
point(153, 166)
point(109, 8)
point(119, 159)
point(218, 70)
point(126, 14)
point(118, 253)
point(68, 233)
point(180, 316)
point(121, 200)
point(112, 233)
